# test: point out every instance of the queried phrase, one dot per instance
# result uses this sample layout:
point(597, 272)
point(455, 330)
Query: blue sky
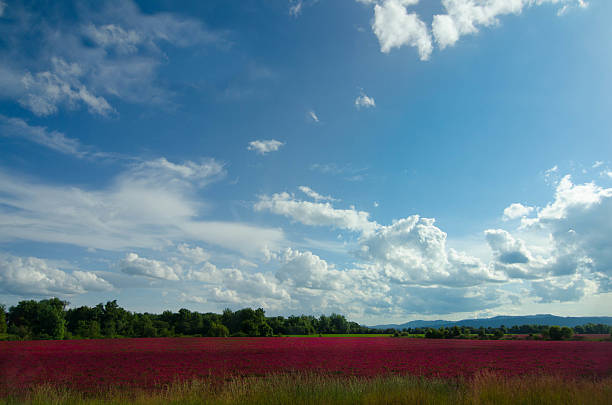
point(385, 159)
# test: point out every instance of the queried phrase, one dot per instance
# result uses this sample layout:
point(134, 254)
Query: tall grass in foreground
point(317, 389)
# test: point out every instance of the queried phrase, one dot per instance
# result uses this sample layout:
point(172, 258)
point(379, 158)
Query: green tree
point(218, 330)
point(554, 332)
point(338, 323)
point(566, 333)
point(3, 326)
point(40, 320)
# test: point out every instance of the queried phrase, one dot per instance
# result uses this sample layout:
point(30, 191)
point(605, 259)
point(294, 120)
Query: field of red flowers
point(93, 364)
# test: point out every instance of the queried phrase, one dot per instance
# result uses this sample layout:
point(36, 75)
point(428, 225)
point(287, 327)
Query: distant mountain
point(507, 321)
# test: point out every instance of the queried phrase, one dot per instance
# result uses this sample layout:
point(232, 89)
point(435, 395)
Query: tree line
point(51, 319)
point(534, 331)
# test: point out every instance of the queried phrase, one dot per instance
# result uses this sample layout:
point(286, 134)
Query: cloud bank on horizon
point(168, 156)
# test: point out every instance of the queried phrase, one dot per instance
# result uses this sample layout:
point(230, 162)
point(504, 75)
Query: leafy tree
point(554, 332)
point(218, 330)
point(3, 326)
point(41, 320)
point(566, 333)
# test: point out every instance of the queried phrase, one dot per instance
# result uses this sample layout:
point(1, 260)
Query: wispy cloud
point(107, 53)
point(18, 128)
point(295, 7)
point(148, 205)
point(347, 171)
point(316, 196)
point(11, 127)
point(313, 116)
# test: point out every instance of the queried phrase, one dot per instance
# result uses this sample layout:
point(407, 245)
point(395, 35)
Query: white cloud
point(161, 171)
point(18, 128)
point(61, 86)
point(579, 3)
point(264, 146)
point(106, 52)
point(406, 267)
point(597, 164)
point(195, 254)
point(551, 175)
point(506, 249)
point(295, 7)
point(364, 101)
point(2, 8)
point(395, 27)
point(238, 286)
point(316, 196)
point(34, 276)
point(313, 116)
point(555, 291)
point(464, 17)
point(315, 213)
point(516, 210)
point(150, 205)
point(304, 269)
point(135, 265)
point(578, 222)
point(577, 233)
point(111, 36)
point(413, 251)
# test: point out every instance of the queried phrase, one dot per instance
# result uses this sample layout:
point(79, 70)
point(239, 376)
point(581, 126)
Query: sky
point(388, 160)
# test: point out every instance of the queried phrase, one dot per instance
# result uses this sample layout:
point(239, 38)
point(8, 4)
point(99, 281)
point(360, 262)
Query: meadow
point(306, 370)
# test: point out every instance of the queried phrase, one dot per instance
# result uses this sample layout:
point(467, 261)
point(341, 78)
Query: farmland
point(89, 365)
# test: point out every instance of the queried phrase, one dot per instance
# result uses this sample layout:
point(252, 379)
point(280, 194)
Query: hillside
point(508, 321)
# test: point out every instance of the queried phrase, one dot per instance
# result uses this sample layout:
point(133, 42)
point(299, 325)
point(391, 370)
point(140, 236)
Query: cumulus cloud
point(304, 269)
point(464, 17)
point(315, 213)
point(364, 101)
point(507, 250)
point(140, 266)
point(395, 27)
point(34, 276)
point(237, 286)
point(194, 254)
point(261, 147)
point(579, 225)
point(413, 251)
point(555, 291)
point(577, 232)
point(516, 210)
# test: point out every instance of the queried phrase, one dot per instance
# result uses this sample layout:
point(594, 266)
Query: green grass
point(317, 389)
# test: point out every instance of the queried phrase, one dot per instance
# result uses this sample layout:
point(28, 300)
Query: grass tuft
point(483, 389)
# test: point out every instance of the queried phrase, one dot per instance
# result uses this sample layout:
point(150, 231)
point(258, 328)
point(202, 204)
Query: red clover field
point(88, 365)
